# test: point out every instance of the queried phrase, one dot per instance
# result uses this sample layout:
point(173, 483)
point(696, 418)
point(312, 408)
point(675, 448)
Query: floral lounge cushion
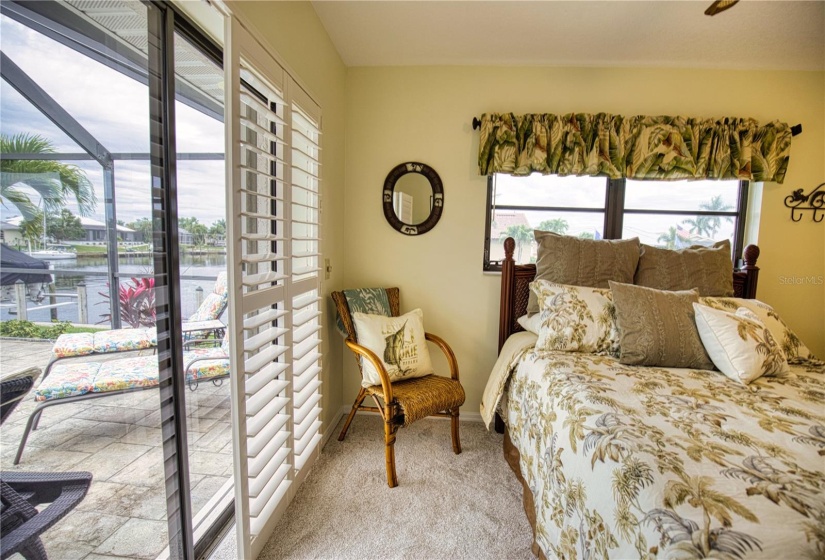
point(208, 368)
point(67, 380)
point(211, 307)
point(74, 344)
point(123, 340)
point(126, 373)
point(221, 287)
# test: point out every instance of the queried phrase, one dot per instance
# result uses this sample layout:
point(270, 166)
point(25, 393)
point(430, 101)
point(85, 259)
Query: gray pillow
point(658, 327)
point(708, 269)
point(583, 262)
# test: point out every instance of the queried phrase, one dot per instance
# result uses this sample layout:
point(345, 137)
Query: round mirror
point(413, 198)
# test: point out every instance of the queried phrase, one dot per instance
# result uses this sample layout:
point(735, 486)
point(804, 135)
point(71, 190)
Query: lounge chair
point(76, 381)
point(21, 523)
point(203, 322)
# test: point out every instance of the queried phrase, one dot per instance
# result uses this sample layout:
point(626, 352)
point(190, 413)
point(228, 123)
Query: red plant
point(137, 303)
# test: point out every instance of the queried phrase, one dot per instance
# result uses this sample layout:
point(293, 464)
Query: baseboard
point(332, 425)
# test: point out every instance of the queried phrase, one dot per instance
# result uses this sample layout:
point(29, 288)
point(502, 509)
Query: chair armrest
point(209, 341)
point(448, 352)
point(365, 352)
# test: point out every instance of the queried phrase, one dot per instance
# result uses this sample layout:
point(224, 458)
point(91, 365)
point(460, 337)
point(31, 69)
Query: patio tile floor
point(117, 439)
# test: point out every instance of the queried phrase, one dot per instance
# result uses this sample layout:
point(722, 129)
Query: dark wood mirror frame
point(438, 197)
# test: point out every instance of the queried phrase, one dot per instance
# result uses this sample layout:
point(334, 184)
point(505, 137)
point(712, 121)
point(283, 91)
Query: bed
point(622, 461)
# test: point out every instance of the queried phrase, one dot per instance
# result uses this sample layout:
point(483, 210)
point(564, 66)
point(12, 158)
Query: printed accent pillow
point(657, 327)
point(708, 269)
point(794, 349)
point(575, 319)
point(583, 262)
point(740, 345)
point(397, 341)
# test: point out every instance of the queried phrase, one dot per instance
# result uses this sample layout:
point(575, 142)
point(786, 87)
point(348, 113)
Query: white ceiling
point(754, 34)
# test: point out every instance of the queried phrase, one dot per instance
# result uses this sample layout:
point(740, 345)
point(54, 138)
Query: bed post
point(507, 277)
point(750, 256)
point(504, 319)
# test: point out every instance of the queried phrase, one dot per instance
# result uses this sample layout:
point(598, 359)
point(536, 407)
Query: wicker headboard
point(516, 278)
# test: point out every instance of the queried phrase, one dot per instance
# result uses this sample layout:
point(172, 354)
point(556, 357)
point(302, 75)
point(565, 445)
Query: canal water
point(191, 265)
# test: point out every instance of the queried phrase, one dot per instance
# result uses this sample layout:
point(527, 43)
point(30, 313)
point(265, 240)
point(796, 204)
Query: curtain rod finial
point(476, 123)
point(796, 130)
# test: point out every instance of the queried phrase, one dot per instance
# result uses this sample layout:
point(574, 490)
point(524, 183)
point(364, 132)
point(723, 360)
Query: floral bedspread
point(640, 462)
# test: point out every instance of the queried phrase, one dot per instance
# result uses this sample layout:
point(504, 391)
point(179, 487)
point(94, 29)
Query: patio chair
point(80, 345)
point(21, 523)
point(77, 381)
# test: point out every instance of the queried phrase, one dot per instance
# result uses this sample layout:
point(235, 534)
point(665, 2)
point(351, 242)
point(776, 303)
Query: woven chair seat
point(423, 396)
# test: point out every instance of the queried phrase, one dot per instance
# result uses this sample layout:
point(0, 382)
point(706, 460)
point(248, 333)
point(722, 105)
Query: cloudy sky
point(114, 109)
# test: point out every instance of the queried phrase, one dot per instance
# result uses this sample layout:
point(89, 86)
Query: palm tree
point(716, 204)
point(669, 238)
point(556, 225)
point(521, 234)
point(55, 182)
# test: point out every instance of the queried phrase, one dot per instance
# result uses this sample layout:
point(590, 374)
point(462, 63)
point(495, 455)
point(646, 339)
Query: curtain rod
point(796, 130)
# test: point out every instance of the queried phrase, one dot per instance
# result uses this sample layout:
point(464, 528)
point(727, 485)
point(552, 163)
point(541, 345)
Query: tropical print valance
point(640, 147)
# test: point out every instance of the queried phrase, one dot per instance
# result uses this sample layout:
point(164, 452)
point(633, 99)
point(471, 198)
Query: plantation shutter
point(273, 169)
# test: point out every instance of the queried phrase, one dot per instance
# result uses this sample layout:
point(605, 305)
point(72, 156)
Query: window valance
point(640, 147)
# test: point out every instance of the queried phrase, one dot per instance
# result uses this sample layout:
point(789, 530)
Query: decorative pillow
point(575, 319)
point(530, 323)
point(397, 341)
point(739, 344)
point(794, 349)
point(583, 262)
point(708, 269)
point(657, 327)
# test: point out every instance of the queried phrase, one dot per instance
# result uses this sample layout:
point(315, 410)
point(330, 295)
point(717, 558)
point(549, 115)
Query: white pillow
point(575, 318)
point(739, 344)
point(530, 323)
point(795, 350)
point(397, 341)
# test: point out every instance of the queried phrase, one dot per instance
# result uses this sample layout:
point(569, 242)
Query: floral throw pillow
point(794, 349)
point(739, 344)
point(399, 342)
point(575, 318)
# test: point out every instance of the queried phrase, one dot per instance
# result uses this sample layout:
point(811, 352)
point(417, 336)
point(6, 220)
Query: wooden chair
point(400, 403)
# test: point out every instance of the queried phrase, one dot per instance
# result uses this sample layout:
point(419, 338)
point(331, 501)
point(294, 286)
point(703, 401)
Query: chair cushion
point(123, 340)
point(424, 396)
point(206, 369)
point(73, 344)
point(210, 308)
point(126, 373)
point(68, 380)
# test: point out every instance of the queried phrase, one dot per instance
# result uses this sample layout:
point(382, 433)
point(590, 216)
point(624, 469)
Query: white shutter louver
point(273, 154)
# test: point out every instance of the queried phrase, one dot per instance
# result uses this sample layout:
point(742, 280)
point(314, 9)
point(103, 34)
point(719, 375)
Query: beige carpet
point(445, 505)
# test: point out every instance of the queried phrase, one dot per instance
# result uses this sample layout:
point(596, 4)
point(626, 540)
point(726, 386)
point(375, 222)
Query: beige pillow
point(399, 342)
point(583, 262)
point(708, 269)
point(739, 344)
point(575, 319)
point(658, 328)
point(792, 346)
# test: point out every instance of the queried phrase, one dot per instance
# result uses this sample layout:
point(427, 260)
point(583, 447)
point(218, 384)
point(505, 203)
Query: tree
point(709, 225)
point(556, 225)
point(32, 229)
point(197, 229)
point(55, 182)
point(521, 234)
point(144, 227)
point(586, 235)
point(218, 227)
point(64, 226)
point(669, 238)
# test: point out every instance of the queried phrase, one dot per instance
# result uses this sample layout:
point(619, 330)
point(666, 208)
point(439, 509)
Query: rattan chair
point(401, 403)
point(21, 523)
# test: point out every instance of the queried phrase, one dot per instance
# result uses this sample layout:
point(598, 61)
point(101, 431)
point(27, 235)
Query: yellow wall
point(293, 30)
point(424, 114)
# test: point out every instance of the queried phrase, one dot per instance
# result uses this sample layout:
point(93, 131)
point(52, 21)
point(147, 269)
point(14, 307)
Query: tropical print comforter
point(642, 462)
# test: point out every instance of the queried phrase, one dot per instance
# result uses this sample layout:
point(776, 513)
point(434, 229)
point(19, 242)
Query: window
point(668, 214)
